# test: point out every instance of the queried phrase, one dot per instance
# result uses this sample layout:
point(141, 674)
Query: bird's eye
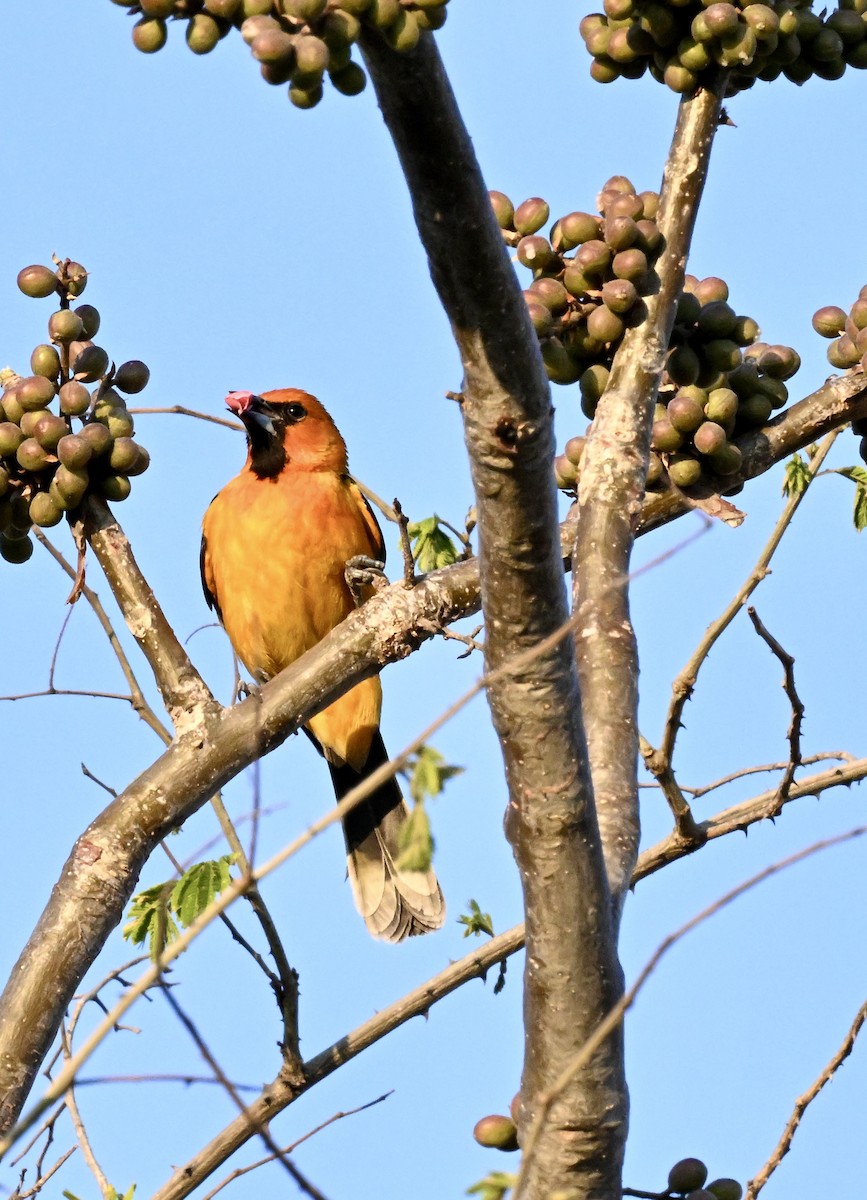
point(295, 412)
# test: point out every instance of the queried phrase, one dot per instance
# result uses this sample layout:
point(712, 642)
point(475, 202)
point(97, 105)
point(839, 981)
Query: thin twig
point(615, 1016)
point(794, 733)
point(756, 1184)
point(53, 666)
point(188, 1080)
point(339, 1116)
point(285, 983)
point(88, 774)
point(257, 1125)
point(43, 1178)
point(105, 1188)
point(764, 768)
point(405, 546)
point(138, 701)
point(377, 501)
point(684, 684)
point(181, 411)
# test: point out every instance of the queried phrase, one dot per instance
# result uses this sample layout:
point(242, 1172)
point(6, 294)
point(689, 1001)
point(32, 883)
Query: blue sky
point(234, 242)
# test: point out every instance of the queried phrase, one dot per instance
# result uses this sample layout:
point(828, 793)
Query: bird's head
point(290, 428)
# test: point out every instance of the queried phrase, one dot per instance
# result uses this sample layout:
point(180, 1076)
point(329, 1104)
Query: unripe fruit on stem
point(203, 33)
point(531, 215)
point(37, 282)
point(74, 399)
point(708, 439)
point(17, 550)
point(45, 361)
point(684, 470)
point(725, 1189)
point(504, 211)
point(74, 451)
point(44, 512)
point(149, 35)
point(115, 487)
point(65, 326)
point(496, 1132)
point(686, 1175)
point(132, 376)
point(33, 392)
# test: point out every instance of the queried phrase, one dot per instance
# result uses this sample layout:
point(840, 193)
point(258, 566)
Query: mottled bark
point(613, 471)
point(572, 975)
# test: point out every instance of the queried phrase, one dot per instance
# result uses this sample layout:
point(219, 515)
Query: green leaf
point(433, 547)
point(858, 475)
point(494, 1186)
point(150, 920)
point(198, 886)
point(416, 842)
point(476, 921)
point(428, 772)
point(152, 912)
point(797, 476)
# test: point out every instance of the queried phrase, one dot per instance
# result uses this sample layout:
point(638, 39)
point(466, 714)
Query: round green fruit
point(725, 1189)
point(684, 470)
point(687, 1175)
point(496, 1132)
point(531, 215)
point(203, 33)
point(65, 326)
point(44, 512)
point(37, 282)
point(74, 451)
point(16, 550)
point(45, 361)
point(11, 438)
point(504, 210)
point(33, 392)
point(115, 487)
point(74, 399)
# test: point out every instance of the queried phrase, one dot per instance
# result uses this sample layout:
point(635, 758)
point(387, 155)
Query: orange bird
point(275, 547)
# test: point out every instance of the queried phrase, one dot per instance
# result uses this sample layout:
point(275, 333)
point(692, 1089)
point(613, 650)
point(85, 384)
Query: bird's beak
point(249, 407)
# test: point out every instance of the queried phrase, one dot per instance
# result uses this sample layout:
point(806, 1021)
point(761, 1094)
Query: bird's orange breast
point(275, 556)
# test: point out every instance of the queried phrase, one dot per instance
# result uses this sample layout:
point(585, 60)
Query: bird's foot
point(245, 689)
point(362, 573)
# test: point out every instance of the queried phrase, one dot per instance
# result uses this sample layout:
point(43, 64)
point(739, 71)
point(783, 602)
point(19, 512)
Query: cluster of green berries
point(682, 42)
point(589, 279)
point(296, 42)
point(65, 429)
point(849, 347)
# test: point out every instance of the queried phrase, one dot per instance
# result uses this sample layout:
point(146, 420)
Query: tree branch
point(803, 1102)
point(613, 472)
point(188, 701)
point(572, 973)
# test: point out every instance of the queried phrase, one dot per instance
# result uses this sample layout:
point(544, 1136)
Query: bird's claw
point(246, 689)
point(361, 573)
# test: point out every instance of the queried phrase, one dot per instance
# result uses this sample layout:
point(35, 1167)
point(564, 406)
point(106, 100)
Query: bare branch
point(184, 693)
point(180, 410)
point(338, 1116)
point(659, 761)
point(803, 1102)
point(613, 472)
point(809, 760)
point(615, 1017)
point(794, 733)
